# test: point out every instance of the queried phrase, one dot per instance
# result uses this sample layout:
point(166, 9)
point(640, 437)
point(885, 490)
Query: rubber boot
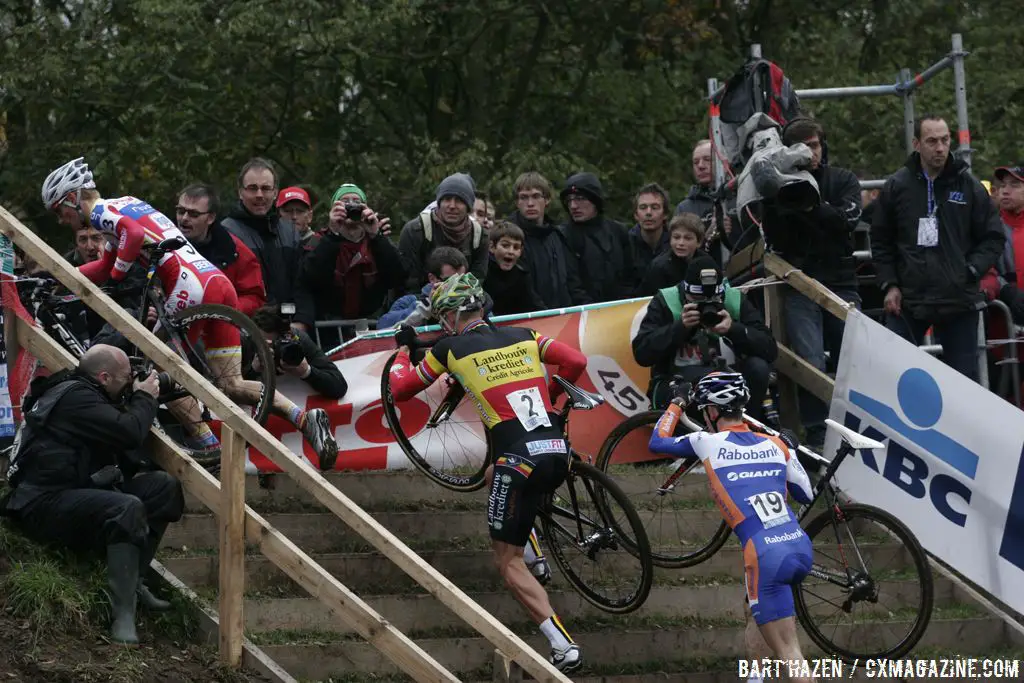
point(146, 598)
point(123, 582)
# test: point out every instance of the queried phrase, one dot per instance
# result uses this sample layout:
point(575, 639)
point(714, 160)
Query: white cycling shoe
point(568, 660)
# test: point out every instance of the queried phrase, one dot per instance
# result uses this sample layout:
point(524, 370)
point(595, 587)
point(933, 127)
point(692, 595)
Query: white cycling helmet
point(71, 177)
point(723, 390)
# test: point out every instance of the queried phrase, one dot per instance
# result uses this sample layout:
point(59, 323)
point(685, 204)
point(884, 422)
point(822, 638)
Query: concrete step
point(323, 532)
point(369, 573)
point(410, 612)
point(327, 656)
point(410, 490)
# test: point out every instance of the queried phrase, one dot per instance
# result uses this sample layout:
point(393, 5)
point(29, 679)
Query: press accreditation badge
point(927, 232)
point(529, 408)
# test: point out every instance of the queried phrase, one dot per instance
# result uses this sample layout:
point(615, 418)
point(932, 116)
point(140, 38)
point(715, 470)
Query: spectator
point(448, 224)
point(76, 480)
point(196, 214)
point(553, 268)
point(601, 245)
point(296, 354)
point(649, 237)
point(483, 211)
point(676, 340)
point(508, 283)
point(820, 242)
point(414, 310)
point(275, 242)
point(88, 243)
point(701, 201)
point(355, 267)
point(935, 233)
point(294, 205)
point(1005, 282)
point(686, 235)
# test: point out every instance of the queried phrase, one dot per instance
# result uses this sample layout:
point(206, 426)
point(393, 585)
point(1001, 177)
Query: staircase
point(690, 629)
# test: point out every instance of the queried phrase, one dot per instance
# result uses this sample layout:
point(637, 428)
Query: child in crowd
point(410, 309)
point(686, 235)
point(507, 281)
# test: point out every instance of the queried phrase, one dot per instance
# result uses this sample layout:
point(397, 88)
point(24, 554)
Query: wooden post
point(505, 669)
point(789, 409)
point(232, 546)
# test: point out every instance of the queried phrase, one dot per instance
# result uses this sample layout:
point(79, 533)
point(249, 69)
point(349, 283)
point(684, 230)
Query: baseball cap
point(1017, 171)
point(290, 194)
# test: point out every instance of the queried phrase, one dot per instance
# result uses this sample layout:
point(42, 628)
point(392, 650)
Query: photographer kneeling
point(75, 474)
point(688, 326)
point(297, 355)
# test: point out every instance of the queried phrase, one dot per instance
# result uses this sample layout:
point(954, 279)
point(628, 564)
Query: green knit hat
point(348, 188)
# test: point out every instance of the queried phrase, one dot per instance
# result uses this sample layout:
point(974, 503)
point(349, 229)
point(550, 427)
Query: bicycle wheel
point(449, 443)
point(583, 523)
point(682, 523)
point(861, 591)
point(180, 412)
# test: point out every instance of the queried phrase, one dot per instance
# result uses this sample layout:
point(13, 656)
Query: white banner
point(952, 470)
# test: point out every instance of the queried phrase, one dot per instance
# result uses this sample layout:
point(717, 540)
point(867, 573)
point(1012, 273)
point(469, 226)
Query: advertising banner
point(952, 469)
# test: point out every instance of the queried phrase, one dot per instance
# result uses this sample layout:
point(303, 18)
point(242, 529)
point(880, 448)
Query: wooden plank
point(808, 286)
point(789, 409)
point(806, 375)
point(232, 547)
point(744, 259)
point(298, 467)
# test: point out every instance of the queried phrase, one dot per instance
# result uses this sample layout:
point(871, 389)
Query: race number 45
point(616, 386)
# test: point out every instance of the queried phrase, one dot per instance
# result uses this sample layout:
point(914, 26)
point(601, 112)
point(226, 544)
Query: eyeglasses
point(535, 197)
point(192, 213)
point(265, 189)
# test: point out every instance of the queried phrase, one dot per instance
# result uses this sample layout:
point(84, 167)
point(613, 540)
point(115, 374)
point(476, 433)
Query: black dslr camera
point(354, 211)
point(708, 295)
point(141, 369)
point(286, 347)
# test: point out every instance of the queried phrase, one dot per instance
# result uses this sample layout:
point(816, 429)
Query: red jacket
point(239, 264)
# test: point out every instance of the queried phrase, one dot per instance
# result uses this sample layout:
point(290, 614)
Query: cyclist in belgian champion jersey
point(749, 474)
point(188, 280)
point(502, 371)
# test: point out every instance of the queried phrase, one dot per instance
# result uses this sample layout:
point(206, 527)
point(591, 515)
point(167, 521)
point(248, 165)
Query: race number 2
point(616, 386)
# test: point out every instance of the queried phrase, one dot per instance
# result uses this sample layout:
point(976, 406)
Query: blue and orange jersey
point(749, 473)
point(501, 369)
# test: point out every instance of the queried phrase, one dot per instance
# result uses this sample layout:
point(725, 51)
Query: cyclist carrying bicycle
point(502, 371)
point(749, 474)
point(188, 280)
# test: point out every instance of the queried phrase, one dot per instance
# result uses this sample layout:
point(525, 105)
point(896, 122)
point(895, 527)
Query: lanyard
point(931, 196)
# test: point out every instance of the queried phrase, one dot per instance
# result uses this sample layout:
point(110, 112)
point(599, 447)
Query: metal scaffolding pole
point(908, 111)
point(717, 168)
point(960, 89)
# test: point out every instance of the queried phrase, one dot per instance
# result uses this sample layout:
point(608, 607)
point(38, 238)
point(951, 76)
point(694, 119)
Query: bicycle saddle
point(579, 399)
point(856, 441)
point(169, 244)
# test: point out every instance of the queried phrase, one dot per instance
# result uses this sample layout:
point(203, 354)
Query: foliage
point(394, 94)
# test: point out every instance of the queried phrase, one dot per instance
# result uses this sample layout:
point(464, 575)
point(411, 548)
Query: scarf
point(457, 234)
point(354, 272)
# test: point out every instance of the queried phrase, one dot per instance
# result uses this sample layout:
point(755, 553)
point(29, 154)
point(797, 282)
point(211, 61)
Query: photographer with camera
point(76, 474)
point(296, 354)
point(354, 268)
point(689, 326)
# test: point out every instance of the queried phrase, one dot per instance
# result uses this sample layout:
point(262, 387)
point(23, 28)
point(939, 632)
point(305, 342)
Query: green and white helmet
point(457, 293)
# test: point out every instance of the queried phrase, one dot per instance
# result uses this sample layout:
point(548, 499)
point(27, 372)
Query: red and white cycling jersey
point(184, 273)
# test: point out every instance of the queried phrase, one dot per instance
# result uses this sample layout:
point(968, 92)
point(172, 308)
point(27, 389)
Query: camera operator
point(297, 355)
point(689, 326)
point(354, 268)
point(75, 474)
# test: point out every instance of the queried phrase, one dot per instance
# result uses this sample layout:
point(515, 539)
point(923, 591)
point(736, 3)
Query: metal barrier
point(358, 326)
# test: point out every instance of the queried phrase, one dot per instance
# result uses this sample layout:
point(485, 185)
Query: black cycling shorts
point(524, 474)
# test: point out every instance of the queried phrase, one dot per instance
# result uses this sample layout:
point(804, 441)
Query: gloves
point(106, 478)
point(406, 336)
point(682, 391)
point(789, 437)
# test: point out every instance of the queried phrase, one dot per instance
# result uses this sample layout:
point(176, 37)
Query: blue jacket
point(404, 307)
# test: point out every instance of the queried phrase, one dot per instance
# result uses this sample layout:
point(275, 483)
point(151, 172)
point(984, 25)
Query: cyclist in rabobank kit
point(749, 474)
point(502, 371)
point(188, 280)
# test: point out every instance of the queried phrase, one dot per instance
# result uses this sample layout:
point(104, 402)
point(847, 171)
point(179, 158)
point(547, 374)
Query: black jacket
point(553, 268)
point(666, 270)
point(72, 429)
point(661, 337)
point(820, 241)
point(415, 250)
point(943, 280)
point(277, 245)
point(643, 255)
point(602, 248)
point(511, 290)
point(320, 266)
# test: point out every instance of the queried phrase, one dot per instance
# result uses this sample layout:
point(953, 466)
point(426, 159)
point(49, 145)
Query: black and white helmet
point(71, 177)
point(726, 390)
